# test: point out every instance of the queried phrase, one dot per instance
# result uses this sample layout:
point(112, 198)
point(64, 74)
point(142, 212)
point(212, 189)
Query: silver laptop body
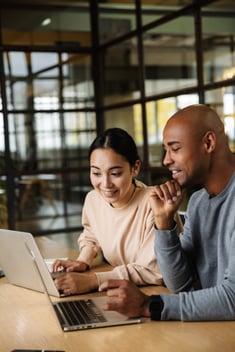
point(24, 266)
point(83, 314)
point(17, 265)
point(90, 316)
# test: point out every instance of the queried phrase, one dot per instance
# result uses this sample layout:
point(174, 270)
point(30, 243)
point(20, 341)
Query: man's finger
point(110, 284)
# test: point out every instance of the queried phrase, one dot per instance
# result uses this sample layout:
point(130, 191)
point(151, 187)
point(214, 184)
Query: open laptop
point(74, 314)
point(83, 314)
point(17, 265)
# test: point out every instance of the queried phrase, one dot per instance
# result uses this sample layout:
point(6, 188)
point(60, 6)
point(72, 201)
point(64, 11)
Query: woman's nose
point(106, 181)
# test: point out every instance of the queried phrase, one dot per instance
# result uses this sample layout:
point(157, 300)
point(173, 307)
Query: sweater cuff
point(172, 305)
point(166, 237)
point(87, 255)
point(106, 275)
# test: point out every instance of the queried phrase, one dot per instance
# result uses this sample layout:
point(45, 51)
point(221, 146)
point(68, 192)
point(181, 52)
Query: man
point(199, 265)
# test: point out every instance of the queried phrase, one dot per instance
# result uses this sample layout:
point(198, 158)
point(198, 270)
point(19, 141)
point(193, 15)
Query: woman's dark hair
point(118, 140)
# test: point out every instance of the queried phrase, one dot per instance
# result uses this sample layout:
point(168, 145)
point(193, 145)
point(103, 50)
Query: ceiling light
point(46, 22)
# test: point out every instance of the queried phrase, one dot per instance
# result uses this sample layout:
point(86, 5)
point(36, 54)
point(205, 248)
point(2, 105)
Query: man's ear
point(210, 141)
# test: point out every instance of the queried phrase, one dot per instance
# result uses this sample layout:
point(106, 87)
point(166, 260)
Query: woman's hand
point(69, 266)
point(75, 283)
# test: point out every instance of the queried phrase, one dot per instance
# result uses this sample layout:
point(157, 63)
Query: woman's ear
point(136, 168)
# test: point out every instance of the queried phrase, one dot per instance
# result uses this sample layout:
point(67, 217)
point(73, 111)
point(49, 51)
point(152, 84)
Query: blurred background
point(70, 69)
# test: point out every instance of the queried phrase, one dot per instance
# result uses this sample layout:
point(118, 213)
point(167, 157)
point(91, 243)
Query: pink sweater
point(124, 236)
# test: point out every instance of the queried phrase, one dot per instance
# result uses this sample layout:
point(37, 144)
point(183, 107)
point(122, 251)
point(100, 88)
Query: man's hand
point(72, 283)
point(69, 265)
point(165, 200)
point(125, 298)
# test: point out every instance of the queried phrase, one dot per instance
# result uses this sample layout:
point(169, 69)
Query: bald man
point(199, 265)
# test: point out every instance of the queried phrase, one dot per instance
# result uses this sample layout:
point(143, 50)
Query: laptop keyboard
point(78, 312)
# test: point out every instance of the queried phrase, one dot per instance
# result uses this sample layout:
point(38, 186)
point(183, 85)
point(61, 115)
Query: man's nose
point(167, 159)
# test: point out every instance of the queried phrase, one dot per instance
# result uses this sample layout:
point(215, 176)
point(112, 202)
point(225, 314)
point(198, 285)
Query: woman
point(117, 220)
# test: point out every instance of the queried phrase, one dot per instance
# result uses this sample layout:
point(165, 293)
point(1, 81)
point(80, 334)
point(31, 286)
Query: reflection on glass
point(169, 54)
point(116, 19)
point(46, 94)
point(121, 80)
point(15, 64)
point(79, 140)
point(130, 119)
point(17, 125)
point(42, 136)
point(158, 112)
point(47, 122)
point(44, 62)
point(48, 142)
point(223, 102)
point(16, 70)
point(185, 100)
point(162, 7)
point(48, 139)
point(68, 28)
point(77, 145)
point(219, 51)
point(2, 140)
point(17, 94)
point(21, 85)
point(138, 125)
point(78, 87)
point(152, 11)
point(79, 121)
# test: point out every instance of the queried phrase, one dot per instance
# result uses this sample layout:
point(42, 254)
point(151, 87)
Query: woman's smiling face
point(112, 176)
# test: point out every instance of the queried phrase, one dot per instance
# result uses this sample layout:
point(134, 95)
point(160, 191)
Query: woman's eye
point(116, 174)
point(95, 173)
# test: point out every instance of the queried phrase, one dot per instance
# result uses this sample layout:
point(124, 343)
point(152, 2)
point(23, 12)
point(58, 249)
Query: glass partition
point(78, 85)
point(169, 56)
point(51, 123)
point(67, 27)
point(55, 95)
point(223, 101)
point(158, 112)
point(116, 18)
point(152, 10)
point(121, 77)
point(219, 46)
point(130, 119)
point(2, 144)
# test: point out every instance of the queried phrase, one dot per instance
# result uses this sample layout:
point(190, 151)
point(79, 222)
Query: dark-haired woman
point(117, 220)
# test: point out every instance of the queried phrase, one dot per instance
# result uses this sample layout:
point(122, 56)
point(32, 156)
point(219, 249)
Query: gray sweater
point(199, 266)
